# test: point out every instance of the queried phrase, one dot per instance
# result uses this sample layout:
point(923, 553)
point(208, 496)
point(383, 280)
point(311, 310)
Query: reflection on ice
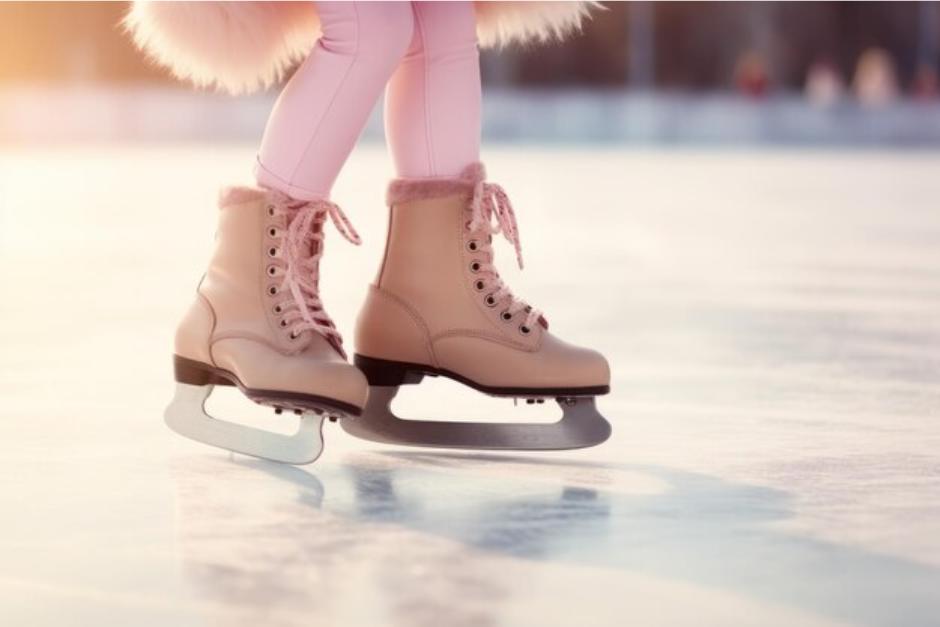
point(460, 515)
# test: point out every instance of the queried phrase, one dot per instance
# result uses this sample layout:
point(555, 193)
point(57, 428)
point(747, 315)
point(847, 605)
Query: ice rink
point(772, 319)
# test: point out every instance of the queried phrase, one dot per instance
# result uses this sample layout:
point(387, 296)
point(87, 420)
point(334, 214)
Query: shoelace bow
point(303, 247)
point(490, 200)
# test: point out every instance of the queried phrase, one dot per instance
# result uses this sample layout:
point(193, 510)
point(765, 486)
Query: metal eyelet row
point(272, 271)
point(273, 290)
point(278, 310)
point(490, 300)
point(283, 323)
point(273, 251)
point(505, 316)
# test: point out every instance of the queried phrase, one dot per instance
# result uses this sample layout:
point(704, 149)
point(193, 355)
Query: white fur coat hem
point(241, 47)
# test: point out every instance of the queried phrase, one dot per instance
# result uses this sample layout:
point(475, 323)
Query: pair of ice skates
point(437, 307)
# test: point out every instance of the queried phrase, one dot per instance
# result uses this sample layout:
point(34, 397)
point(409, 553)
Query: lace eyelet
point(272, 290)
point(480, 285)
point(272, 252)
point(490, 300)
point(473, 246)
point(505, 316)
point(474, 266)
point(523, 329)
point(272, 231)
point(294, 335)
point(283, 323)
point(270, 210)
point(278, 309)
point(272, 270)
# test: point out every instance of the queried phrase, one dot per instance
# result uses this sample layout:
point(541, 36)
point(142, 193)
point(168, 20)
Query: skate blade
point(186, 415)
point(580, 426)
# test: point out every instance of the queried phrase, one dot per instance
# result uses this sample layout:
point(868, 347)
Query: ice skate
point(438, 307)
point(257, 323)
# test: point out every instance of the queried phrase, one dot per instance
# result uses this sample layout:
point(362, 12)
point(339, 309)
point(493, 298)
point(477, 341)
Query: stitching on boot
point(209, 340)
point(496, 339)
point(415, 316)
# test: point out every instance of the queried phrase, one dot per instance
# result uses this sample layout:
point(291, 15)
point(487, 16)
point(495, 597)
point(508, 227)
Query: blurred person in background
point(751, 76)
point(824, 85)
point(876, 81)
point(926, 86)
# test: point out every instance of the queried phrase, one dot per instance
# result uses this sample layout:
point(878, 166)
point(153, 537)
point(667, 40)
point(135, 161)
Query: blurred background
point(778, 72)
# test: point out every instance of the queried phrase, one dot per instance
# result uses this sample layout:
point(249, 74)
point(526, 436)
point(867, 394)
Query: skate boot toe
point(339, 380)
point(591, 368)
point(568, 366)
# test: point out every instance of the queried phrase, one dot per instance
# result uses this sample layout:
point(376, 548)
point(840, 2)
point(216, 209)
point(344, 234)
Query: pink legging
point(427, 54)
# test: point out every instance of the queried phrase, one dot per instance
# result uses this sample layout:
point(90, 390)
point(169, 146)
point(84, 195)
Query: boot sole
point(387, 373)
point(194, 372)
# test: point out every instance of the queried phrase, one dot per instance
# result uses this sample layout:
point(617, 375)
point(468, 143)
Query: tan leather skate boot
point(439, 307)
point(257, 323)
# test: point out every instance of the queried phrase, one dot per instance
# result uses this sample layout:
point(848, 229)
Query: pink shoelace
point(490, 200)
point(302, 248)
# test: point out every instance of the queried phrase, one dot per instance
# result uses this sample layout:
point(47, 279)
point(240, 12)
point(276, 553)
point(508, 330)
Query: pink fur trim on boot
point(407, 190)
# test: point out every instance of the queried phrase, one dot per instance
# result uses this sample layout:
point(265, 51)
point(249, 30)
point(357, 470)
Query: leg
point(323, 108)
point(432, 105)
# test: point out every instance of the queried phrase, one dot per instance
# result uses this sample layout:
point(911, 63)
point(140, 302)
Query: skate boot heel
point(193, 372)
point(380, 372)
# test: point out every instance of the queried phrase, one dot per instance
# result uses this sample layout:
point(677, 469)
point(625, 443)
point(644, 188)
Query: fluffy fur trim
point(241, 47)
point(239, 195)
point(501, 23)
point(408, 190)
point(238, 47)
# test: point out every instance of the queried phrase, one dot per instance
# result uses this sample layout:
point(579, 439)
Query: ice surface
point(773, 323)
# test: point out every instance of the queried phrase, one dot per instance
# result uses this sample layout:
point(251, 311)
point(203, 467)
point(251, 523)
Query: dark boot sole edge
point(384, 372)
point(194, 372)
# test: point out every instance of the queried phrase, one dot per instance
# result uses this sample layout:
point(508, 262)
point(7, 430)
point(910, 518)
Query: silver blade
point(187, 416)
point(581, 425)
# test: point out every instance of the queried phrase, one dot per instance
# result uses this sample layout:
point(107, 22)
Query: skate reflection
point(708, 531)
point(260, 548)
point(423, 538)
point(530, 526)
